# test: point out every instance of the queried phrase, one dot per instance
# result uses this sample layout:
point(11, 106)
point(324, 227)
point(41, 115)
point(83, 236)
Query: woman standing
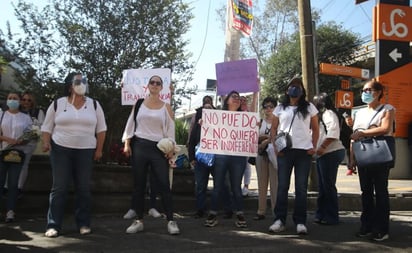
point(330, 153)
point(374, 120)
point(154, 122)
point(73, 131)
point(13, 124)
point(234, 166)
point(265, 170)
point(299, 118)
point(28, 106)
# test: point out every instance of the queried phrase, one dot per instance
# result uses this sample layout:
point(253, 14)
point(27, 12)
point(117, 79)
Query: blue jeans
point(68, 164)
point(145, 155)
point(327, 170)
point(202, 173)
point(12, 172)
point(234, 166)
point(301, 161)
point(375, 199)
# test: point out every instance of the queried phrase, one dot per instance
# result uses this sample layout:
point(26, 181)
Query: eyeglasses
point(157, 83)
point(368, 90)
point(235, 96)
point(26, 99)
point(268, 107)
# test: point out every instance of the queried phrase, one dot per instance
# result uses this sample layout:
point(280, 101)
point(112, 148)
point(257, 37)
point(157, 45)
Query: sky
point(207, 39)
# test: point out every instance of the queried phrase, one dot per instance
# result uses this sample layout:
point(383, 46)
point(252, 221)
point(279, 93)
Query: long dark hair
point(225, 104)
point(323, 100)
point(302, 103)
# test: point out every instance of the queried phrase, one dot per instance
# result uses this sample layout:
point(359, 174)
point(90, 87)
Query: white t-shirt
point(300, 131)
point(331, 122)
point(152, 124)
point(13, 126)
point(74, 128)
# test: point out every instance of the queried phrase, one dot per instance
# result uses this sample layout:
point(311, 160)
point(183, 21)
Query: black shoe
point(241, 221)
point(211, 220)
point(199, 214)
point(380, 237)
point(364, 233)
point(228, 215)
point(259, 217)
point(20, 194)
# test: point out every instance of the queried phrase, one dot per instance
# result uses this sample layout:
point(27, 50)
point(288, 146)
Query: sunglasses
point(79, 81)
point(368, 90)
point(268, 107)
point(235, 96)
point(157, 83)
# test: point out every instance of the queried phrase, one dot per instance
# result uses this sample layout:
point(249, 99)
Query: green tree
point(101, 39)
point(334, 45)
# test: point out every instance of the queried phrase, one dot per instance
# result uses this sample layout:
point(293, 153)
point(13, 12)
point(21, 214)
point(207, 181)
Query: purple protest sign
point(240, 75)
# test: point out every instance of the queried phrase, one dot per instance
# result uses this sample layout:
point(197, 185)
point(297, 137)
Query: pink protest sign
point(229, 132)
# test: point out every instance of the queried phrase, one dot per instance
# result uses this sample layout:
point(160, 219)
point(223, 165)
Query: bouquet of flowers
point(29, 135)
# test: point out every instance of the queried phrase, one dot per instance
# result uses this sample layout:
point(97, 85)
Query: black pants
point(145, 155)
point(375, 199)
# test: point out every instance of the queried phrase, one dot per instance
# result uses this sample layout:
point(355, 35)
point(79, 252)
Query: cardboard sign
point(229, 132)
point(135, 84)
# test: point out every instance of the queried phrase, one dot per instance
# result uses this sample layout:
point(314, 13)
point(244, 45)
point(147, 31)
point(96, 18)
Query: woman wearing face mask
point(299, 118)
point(13, 124)
point(374, 120)
point(73, 131)
point(330, 153)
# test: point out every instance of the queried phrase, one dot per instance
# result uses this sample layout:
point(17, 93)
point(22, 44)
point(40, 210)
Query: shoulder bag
point(283, 141)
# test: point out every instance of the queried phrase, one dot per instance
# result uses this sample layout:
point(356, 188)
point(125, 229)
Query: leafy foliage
point(101, 39)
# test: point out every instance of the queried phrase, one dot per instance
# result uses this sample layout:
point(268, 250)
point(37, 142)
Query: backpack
point(136, 110)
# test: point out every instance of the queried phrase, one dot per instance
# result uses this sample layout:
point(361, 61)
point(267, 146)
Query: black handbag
point(371, 152)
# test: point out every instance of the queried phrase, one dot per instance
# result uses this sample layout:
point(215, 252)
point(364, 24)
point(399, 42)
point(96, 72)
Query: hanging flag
point(242, 16)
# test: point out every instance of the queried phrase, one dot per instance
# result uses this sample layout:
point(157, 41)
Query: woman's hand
point(46, 146)
point(98, 155)
point(357, 135)
point(311, 151)
point(127, 150)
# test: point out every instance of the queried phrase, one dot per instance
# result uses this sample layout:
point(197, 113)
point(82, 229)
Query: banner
point(229, 132)
point(241, 76)
point(135, 84)
point(242, 16)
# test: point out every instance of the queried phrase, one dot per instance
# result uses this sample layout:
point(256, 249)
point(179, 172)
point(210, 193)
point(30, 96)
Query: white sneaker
point(172, 228)
point(277, 227)
point(137, 226)
point(85, 230)
point(301, 229)
point(245, 191)
point(130, 214)
point(10, 216)
point(154, 213)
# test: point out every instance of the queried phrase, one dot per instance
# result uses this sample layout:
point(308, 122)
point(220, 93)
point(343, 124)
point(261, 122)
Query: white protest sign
point(135, 81)
point(229, 132)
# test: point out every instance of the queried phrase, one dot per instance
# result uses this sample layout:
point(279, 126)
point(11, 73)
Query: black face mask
point(294, 91)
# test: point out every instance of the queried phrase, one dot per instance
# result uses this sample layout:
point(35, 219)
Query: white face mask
point(80, 89)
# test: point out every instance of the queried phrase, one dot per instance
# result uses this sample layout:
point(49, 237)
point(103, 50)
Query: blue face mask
point(367, 98)
point(294, 92)
point(13, 104)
